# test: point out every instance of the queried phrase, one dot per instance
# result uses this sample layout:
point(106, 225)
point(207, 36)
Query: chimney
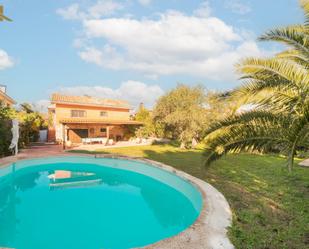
point(3, 88)
point(141, 106)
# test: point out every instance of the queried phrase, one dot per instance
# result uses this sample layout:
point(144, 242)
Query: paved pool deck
point(208, 232)
point(35, 151)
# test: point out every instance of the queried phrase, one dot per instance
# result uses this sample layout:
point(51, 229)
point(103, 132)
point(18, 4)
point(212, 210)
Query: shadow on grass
point(87, 152)
point(190, 161)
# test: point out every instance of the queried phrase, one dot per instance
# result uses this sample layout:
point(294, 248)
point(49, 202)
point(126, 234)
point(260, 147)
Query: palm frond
point(240, 138)
point(281, 69)
point(290, 36)
point(295, 56)
point(242, 118)
point(255, 91)
point(236, 139)
point(257, 131)
point(305, 6)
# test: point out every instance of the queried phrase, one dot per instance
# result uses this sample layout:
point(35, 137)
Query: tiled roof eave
point(8, 97)
point(90, 104)
point(95, 121)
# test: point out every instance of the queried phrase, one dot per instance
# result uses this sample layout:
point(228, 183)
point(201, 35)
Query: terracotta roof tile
point(89, 101)
point(7, 97)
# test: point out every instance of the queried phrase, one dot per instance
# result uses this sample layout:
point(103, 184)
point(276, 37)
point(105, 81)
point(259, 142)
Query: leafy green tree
point(219, 105)
point(26, 107)
point(278, 87)
point(149, 128)
point(30, 124)
point(6, 114)
point(182, 114)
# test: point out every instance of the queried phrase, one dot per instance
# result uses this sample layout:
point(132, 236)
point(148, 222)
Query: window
point(78, 113)
point(103, 130)
point(103, 114)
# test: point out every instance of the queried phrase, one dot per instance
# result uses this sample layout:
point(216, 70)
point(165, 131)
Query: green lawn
point(270, 207)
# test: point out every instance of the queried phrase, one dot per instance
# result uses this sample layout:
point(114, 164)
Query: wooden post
point(107, 134)
point(63, 136)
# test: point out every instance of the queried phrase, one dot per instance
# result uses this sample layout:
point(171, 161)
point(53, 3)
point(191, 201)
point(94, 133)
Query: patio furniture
point(101, 140)
point(110, 142)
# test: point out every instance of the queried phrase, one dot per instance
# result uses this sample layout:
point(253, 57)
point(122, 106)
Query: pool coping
point(209, 231)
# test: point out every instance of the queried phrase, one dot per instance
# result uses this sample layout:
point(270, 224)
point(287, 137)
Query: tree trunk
point(290, 163)
point(194, 143)
point(182, 145)
point(291, 156)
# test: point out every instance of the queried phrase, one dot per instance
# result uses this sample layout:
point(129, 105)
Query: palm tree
point(278, 89)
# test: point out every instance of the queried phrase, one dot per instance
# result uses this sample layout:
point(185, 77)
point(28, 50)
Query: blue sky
point(131, 49)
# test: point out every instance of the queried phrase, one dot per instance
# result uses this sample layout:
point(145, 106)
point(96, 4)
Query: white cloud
point(173, 44)
point(104, 8)
point(204, 9)
point(237, 6)
point(72, 12)
point(41, 105)
point(101, 8)
point(92, 55)
point(144, 2)
point(5, 60)
point(132, 91)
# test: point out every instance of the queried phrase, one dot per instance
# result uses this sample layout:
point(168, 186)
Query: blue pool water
point(89, 203)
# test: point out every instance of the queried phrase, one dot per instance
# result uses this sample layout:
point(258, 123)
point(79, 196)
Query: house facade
point(76, 118)
point(4, 98)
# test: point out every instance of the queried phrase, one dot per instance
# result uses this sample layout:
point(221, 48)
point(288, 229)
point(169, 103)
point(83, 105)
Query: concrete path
point(94, 147)
point(34, 151)
point(304, 163)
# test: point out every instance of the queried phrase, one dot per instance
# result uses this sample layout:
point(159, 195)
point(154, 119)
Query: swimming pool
point(93, 203)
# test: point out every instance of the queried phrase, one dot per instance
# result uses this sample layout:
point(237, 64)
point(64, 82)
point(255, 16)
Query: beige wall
point(64, 112)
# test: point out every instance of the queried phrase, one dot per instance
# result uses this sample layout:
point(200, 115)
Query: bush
point(30, 123)
point(5, 130)
point(5, 136)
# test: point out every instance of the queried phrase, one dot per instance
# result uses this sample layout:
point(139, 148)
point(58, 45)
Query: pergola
point(78, 121)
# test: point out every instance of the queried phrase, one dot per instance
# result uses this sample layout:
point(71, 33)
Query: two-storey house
point(74, 118)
